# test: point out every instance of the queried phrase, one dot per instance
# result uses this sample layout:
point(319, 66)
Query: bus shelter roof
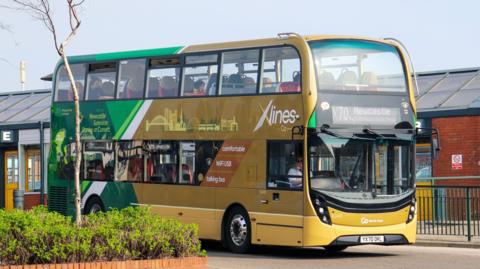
point(448, 90)
point(25, 107)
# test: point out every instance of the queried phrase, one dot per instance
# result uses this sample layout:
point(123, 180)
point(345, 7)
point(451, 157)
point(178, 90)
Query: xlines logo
point(272, 115)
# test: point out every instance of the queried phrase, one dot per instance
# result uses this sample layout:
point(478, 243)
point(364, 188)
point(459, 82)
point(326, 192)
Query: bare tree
point(7, 28)
point(41, 11)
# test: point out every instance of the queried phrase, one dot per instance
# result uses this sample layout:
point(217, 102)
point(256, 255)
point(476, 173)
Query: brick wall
point(458, 135)
point(32, 199)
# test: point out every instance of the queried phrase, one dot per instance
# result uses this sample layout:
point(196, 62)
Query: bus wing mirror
point(435, 140)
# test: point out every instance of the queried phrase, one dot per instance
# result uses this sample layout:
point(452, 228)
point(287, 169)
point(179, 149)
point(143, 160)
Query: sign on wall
point(7, 136)
point(457, 161)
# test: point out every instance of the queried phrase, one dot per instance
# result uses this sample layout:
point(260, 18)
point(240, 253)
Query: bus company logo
point(272, 115)
point(367, 221)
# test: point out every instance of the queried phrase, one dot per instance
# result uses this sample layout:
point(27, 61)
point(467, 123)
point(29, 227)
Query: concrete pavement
point(447, 241)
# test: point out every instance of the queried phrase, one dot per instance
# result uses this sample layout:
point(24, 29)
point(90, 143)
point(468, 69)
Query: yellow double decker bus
point(292, 141)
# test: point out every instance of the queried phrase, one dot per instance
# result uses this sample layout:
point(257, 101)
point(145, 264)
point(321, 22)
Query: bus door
point(11, 177)
point(281, 203)
point(197, 202)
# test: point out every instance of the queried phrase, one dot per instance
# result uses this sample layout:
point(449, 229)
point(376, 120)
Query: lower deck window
point(99, 161)
point(285, 165)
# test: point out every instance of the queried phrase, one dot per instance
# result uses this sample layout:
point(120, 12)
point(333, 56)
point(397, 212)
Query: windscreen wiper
point(372, 132)
point(324, 129)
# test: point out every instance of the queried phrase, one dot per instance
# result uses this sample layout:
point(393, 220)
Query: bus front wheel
point(94, 205)
point(238, 230)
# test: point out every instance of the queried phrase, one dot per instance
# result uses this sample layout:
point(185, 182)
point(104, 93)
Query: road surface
point(371, 257)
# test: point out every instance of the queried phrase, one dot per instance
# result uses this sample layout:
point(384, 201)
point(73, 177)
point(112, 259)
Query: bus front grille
point(57, 199)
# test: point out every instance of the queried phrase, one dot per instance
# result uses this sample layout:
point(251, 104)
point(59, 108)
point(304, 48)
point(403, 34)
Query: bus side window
point(129, 164)
point(285, 165)
point(131, 79)
point(205, 154)
point(240, 68)
point(281, 71)
point(63, 87)
point(101, 81)
point(98, 160)
point(199, 80)
point(187, 160)
point(162, 82)
point(161, 161)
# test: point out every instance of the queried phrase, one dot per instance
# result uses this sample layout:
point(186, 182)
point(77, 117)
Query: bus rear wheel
point(238, 230)
point(93, 206)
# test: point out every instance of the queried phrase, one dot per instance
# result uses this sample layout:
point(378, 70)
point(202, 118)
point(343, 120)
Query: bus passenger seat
point(188, 85)
point(169, 86)
point(108, 90)
point(348, 80)
point(370, 80)
point(267, 85)
point(249, 84)
point(235, 81)
point(154, 89)
point(326, 80)
point(290, 87)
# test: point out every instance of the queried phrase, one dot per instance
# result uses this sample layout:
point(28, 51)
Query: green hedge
point(38, 236)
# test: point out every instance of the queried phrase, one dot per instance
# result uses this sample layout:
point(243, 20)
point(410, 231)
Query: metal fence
point(448, 210)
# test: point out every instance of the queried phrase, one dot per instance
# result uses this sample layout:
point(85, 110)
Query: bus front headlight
point(321, 209)
point(412, 211)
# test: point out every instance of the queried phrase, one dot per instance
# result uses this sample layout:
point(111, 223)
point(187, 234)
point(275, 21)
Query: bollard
point(18, 199)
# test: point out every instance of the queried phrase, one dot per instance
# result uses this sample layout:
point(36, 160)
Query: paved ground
point(448, 241)
point(370, 257)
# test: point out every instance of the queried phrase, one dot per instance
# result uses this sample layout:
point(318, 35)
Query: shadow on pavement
point(215, 249)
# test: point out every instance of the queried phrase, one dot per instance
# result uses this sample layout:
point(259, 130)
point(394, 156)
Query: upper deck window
point(101, 81)
point(356, 65)
point(63, 89)
point(199, 80)
point(200, 75)
point(201, 59)
point(239, 72)
point(163, 77)
point(131, 79)
point(281, 71)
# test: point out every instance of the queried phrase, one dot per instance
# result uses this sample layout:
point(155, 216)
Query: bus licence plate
point(372, 239)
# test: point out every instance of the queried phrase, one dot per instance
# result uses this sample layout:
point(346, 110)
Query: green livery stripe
point(137, 53)
point(128, 120)
point(122, 55)
point(84, 186)
point(312, 122)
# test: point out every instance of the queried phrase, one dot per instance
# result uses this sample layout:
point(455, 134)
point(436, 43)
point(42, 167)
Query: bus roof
point(205, 47)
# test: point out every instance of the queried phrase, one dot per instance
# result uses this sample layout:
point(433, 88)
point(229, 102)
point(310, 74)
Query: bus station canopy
point(457, 89)
point(25, 107)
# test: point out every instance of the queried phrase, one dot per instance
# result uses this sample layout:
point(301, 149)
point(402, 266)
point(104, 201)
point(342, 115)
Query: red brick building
point(450, 102)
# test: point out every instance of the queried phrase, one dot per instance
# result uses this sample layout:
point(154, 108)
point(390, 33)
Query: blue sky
point(439, 34)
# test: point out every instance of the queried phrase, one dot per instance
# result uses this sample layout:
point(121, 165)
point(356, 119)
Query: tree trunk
point(78, 155)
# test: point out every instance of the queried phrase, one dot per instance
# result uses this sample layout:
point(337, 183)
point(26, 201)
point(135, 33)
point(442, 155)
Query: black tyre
point(237, 230)
point(334, 249)
point(94, 205)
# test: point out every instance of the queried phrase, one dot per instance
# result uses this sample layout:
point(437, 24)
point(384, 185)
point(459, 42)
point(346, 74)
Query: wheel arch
point(93, 197)
point(224, 219)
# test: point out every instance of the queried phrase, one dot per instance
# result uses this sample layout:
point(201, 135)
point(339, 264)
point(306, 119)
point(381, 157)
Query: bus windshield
point(360, 168)
point(356, 65)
